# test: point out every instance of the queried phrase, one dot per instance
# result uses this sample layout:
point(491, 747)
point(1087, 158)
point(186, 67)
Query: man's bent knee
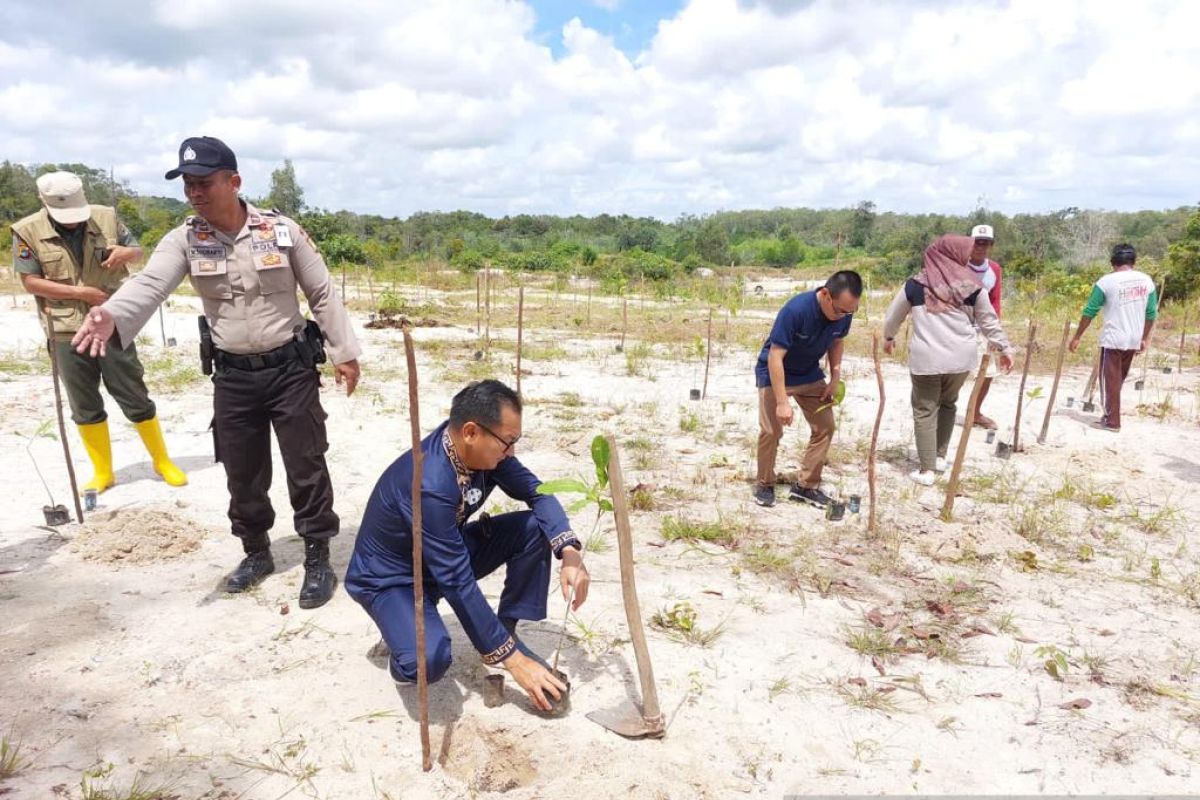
point(437, 663)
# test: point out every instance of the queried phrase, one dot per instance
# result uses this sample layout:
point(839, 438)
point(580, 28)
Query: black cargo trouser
point(246, 404)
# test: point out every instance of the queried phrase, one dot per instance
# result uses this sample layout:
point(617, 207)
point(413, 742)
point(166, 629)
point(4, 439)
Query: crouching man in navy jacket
point(464, 459)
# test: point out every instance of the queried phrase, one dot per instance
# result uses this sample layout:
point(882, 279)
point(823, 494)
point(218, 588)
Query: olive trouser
point(770, 431)
point(121, 373)
point(934, 404)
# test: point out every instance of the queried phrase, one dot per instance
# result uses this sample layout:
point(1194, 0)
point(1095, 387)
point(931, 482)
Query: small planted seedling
point(839, 394)
point(592, 493)
point(55, 513)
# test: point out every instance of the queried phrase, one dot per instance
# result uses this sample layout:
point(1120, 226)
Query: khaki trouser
point(934, 403)
point(770, 431)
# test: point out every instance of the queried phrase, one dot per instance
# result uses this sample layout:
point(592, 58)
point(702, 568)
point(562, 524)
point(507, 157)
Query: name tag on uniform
point(283, 235)
point(207, 260)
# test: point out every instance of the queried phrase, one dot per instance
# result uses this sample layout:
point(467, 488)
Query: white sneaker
point(925, 478)
point(941, 465)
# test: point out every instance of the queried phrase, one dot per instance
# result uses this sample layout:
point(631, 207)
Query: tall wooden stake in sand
point(62, 428)
point(414, 419)
point(874, 432)
point(487, 305)
point(624, 320)
point(478, 303)
point(968, 423)
point(626, 719)
point(520, 332)
point(707, 356)
point(1016, 443)
point(1182, 338)
point(1062, 352)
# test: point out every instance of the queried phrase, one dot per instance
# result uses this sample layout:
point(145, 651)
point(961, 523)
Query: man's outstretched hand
point(92, 337)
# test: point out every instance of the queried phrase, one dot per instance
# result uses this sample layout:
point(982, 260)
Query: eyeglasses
point(838, 312)
point(508, 446)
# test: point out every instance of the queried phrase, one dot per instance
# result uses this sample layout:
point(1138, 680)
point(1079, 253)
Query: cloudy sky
point(624, 106)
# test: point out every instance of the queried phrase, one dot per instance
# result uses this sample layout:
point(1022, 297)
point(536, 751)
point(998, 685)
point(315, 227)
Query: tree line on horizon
point(1067, 247)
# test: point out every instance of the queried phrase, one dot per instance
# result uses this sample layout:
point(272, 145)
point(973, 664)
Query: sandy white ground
point(149, 668)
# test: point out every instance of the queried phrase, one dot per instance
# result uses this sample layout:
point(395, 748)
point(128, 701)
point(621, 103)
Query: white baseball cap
point(983, 232)
point(62, 194)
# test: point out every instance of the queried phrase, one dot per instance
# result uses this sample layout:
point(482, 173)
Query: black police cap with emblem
point(203, 155)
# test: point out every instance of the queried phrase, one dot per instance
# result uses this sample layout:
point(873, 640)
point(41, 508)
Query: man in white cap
point(72, 256)
point(989, 275)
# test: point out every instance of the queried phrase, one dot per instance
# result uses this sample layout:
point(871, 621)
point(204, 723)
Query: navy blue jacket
point(450, 494)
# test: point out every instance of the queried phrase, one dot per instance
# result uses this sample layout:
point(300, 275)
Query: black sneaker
point(764, 495)
point(813, 497)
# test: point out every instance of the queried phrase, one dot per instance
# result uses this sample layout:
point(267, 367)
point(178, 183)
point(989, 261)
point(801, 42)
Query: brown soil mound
point(137, 536)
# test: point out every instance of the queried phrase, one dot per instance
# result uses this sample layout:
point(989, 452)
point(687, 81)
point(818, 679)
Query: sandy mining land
point(1043, 641)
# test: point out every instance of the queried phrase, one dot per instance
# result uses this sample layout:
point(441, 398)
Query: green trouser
point(933, 403)
point(122, 375)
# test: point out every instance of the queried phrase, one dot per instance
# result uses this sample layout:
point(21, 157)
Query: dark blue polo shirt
point(807, 334)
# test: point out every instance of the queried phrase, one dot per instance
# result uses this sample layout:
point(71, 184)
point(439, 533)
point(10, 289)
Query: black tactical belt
point(271, 358)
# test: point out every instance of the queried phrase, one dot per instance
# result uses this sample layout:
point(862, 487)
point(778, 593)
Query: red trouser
point(1114, 368)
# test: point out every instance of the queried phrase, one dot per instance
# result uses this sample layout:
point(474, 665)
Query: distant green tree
point(286, 194)
point(127, 210)
point(712, 242)
point(861, 223)
point(1183, 261)
point(342, 248)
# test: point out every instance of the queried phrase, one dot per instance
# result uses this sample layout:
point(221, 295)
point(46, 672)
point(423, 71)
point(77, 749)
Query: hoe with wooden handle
point(627, 719)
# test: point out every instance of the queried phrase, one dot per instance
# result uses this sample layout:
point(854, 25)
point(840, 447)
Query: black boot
point(254, 567)
point(319, 579)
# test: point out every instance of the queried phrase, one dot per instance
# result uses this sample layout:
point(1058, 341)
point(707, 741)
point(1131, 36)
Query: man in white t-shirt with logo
point(989, 275)
point(1130, 305)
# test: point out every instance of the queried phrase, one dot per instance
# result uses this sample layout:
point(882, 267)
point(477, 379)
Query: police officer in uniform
point(72, 256)
point(246, 263)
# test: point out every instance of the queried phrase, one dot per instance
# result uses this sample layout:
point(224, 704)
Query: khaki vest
point(59, 265)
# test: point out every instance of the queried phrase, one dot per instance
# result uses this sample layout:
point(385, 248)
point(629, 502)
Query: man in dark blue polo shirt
point(464, 459)
point(807, 328)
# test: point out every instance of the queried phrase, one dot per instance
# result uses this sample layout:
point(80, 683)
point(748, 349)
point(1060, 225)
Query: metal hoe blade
point(627, 720)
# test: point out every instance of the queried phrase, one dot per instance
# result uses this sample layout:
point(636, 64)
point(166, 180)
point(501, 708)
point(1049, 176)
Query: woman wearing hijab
point(946, 300)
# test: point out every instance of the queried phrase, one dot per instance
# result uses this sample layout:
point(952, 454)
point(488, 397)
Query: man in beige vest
point(72, 256)
point(246, 264)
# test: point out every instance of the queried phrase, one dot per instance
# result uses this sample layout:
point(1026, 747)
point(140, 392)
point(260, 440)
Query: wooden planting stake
point(487, 307)
point(1182, 337)
point(1062, 352)
point(874, 432)
point(62, 428)
point(1016, 442)
point(520, 332)
point(418, 584)
point(624, 320)
point(707, 356)
point(478, 303)
point(972, 407)
point(626, 719)
point(1090, 389)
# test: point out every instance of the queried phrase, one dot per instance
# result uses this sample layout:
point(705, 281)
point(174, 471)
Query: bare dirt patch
point(137, 536)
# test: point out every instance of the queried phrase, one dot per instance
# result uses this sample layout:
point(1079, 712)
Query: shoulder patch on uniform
point(24, 253)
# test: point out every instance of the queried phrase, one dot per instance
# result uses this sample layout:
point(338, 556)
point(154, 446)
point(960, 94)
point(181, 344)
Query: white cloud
point(397, 106)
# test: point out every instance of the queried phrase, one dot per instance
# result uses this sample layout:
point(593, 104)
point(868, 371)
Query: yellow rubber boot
point(99, 450)
point(152, 437)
